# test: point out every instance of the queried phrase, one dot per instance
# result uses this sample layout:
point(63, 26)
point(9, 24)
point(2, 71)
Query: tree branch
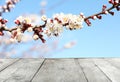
point(103, 12)
point(55, 24)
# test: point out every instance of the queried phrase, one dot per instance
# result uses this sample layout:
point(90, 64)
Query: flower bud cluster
point(7, 7)
point(2, 25)
point(115, 3)
point(105, 11)
point(24, 24)
point(52, 26)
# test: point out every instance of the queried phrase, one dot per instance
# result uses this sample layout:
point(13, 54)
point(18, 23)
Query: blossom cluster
point(52, 26)
point(2, 25)
point(55, 26)
point(7, 7)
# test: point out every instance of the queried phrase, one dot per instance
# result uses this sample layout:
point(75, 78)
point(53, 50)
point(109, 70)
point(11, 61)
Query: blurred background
point(102, 39)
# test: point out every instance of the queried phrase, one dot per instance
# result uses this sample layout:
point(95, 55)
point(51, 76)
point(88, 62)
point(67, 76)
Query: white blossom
point(64, 18)
point(49, 23)
point(19, 36)
point(30, 29)
point(35, 37)
point(75, 21)
point(11, 6)
point(94, 17)
point(18, 30)
point(2, 25)
point(47, 32)
point(117, 1)
point(24, 19)
point(54, 28)
point(106, 12)
point(44, 18)
point(6, 10)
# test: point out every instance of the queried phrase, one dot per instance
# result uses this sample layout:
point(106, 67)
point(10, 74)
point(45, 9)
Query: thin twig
point(100, 13)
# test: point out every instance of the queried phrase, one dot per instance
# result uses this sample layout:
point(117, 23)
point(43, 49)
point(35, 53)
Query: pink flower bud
point(116, 2)
point(104, 7)
point(99, 17)
point(88, 22)
point(14, 34)
point(43, 40)
point(93, 17)
point(1, 33)
point(17, 22)
point(111, 2)
point(5, 21)
point(118, 8)
point(56, 18)
point(112, 13)
point(82, 15)
point(51, 20)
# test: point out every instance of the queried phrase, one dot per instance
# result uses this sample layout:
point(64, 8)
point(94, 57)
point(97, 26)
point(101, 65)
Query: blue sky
point(102, 39)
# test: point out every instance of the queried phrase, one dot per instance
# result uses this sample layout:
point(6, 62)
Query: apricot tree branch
point(104, 11)
point(53, 26)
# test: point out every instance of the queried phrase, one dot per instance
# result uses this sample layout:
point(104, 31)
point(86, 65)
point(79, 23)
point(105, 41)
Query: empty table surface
point(60, 70)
